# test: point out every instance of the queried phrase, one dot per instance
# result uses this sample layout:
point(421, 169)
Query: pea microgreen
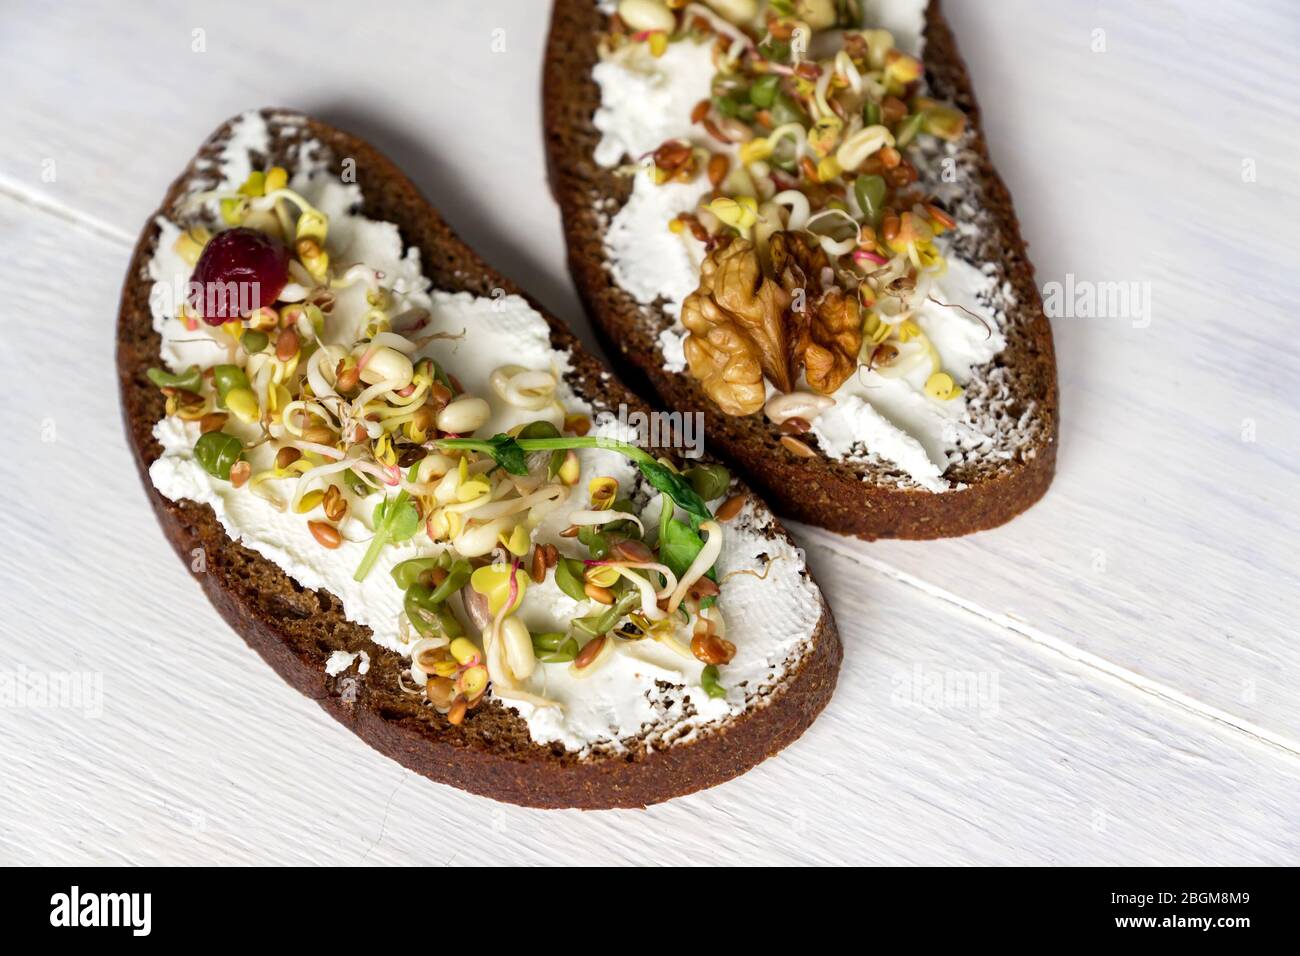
point(709, 681)
point(568, 577)
point(217, 452)
point(603, 621)
point(679, 544)
point(511, 454)
point(396, 520)
point(191, 380)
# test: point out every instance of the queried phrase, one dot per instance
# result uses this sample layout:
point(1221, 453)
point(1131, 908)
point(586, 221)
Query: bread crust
point(816, 490)
point(296, 630)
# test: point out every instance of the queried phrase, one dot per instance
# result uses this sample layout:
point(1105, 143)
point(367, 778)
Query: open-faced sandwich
point(421, 501)
point(781, 217)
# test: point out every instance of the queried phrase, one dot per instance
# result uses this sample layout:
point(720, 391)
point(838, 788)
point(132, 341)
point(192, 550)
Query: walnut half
point(735, 321)
point(823, 324)
point(744, 325)
point(722, 357)
point(834, 337)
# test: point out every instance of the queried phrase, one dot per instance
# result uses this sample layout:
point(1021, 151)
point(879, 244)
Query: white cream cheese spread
point(339, 661)
point(885, 419)
point(644, 690)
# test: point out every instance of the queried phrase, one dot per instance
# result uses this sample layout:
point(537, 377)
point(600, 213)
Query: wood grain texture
point(1140, 620)
point(1165, 545)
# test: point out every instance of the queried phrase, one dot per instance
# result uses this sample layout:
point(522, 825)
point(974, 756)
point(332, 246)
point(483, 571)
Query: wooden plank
point(1163, 545)
point(949, 739)
point(198, 752)
point(1166, 543)
point(1160, 555)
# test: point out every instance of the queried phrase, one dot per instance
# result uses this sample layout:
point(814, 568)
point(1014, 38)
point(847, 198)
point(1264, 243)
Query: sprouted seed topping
point(373, 430)
point(818, 243)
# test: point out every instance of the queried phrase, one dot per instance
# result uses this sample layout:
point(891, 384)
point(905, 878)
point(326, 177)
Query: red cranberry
point(240, 271)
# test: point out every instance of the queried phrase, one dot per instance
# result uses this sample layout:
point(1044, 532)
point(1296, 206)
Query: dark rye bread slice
point(1017, 392)
point(296, 630)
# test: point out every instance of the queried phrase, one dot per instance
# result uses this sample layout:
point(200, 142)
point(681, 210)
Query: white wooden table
point(1131, 642)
